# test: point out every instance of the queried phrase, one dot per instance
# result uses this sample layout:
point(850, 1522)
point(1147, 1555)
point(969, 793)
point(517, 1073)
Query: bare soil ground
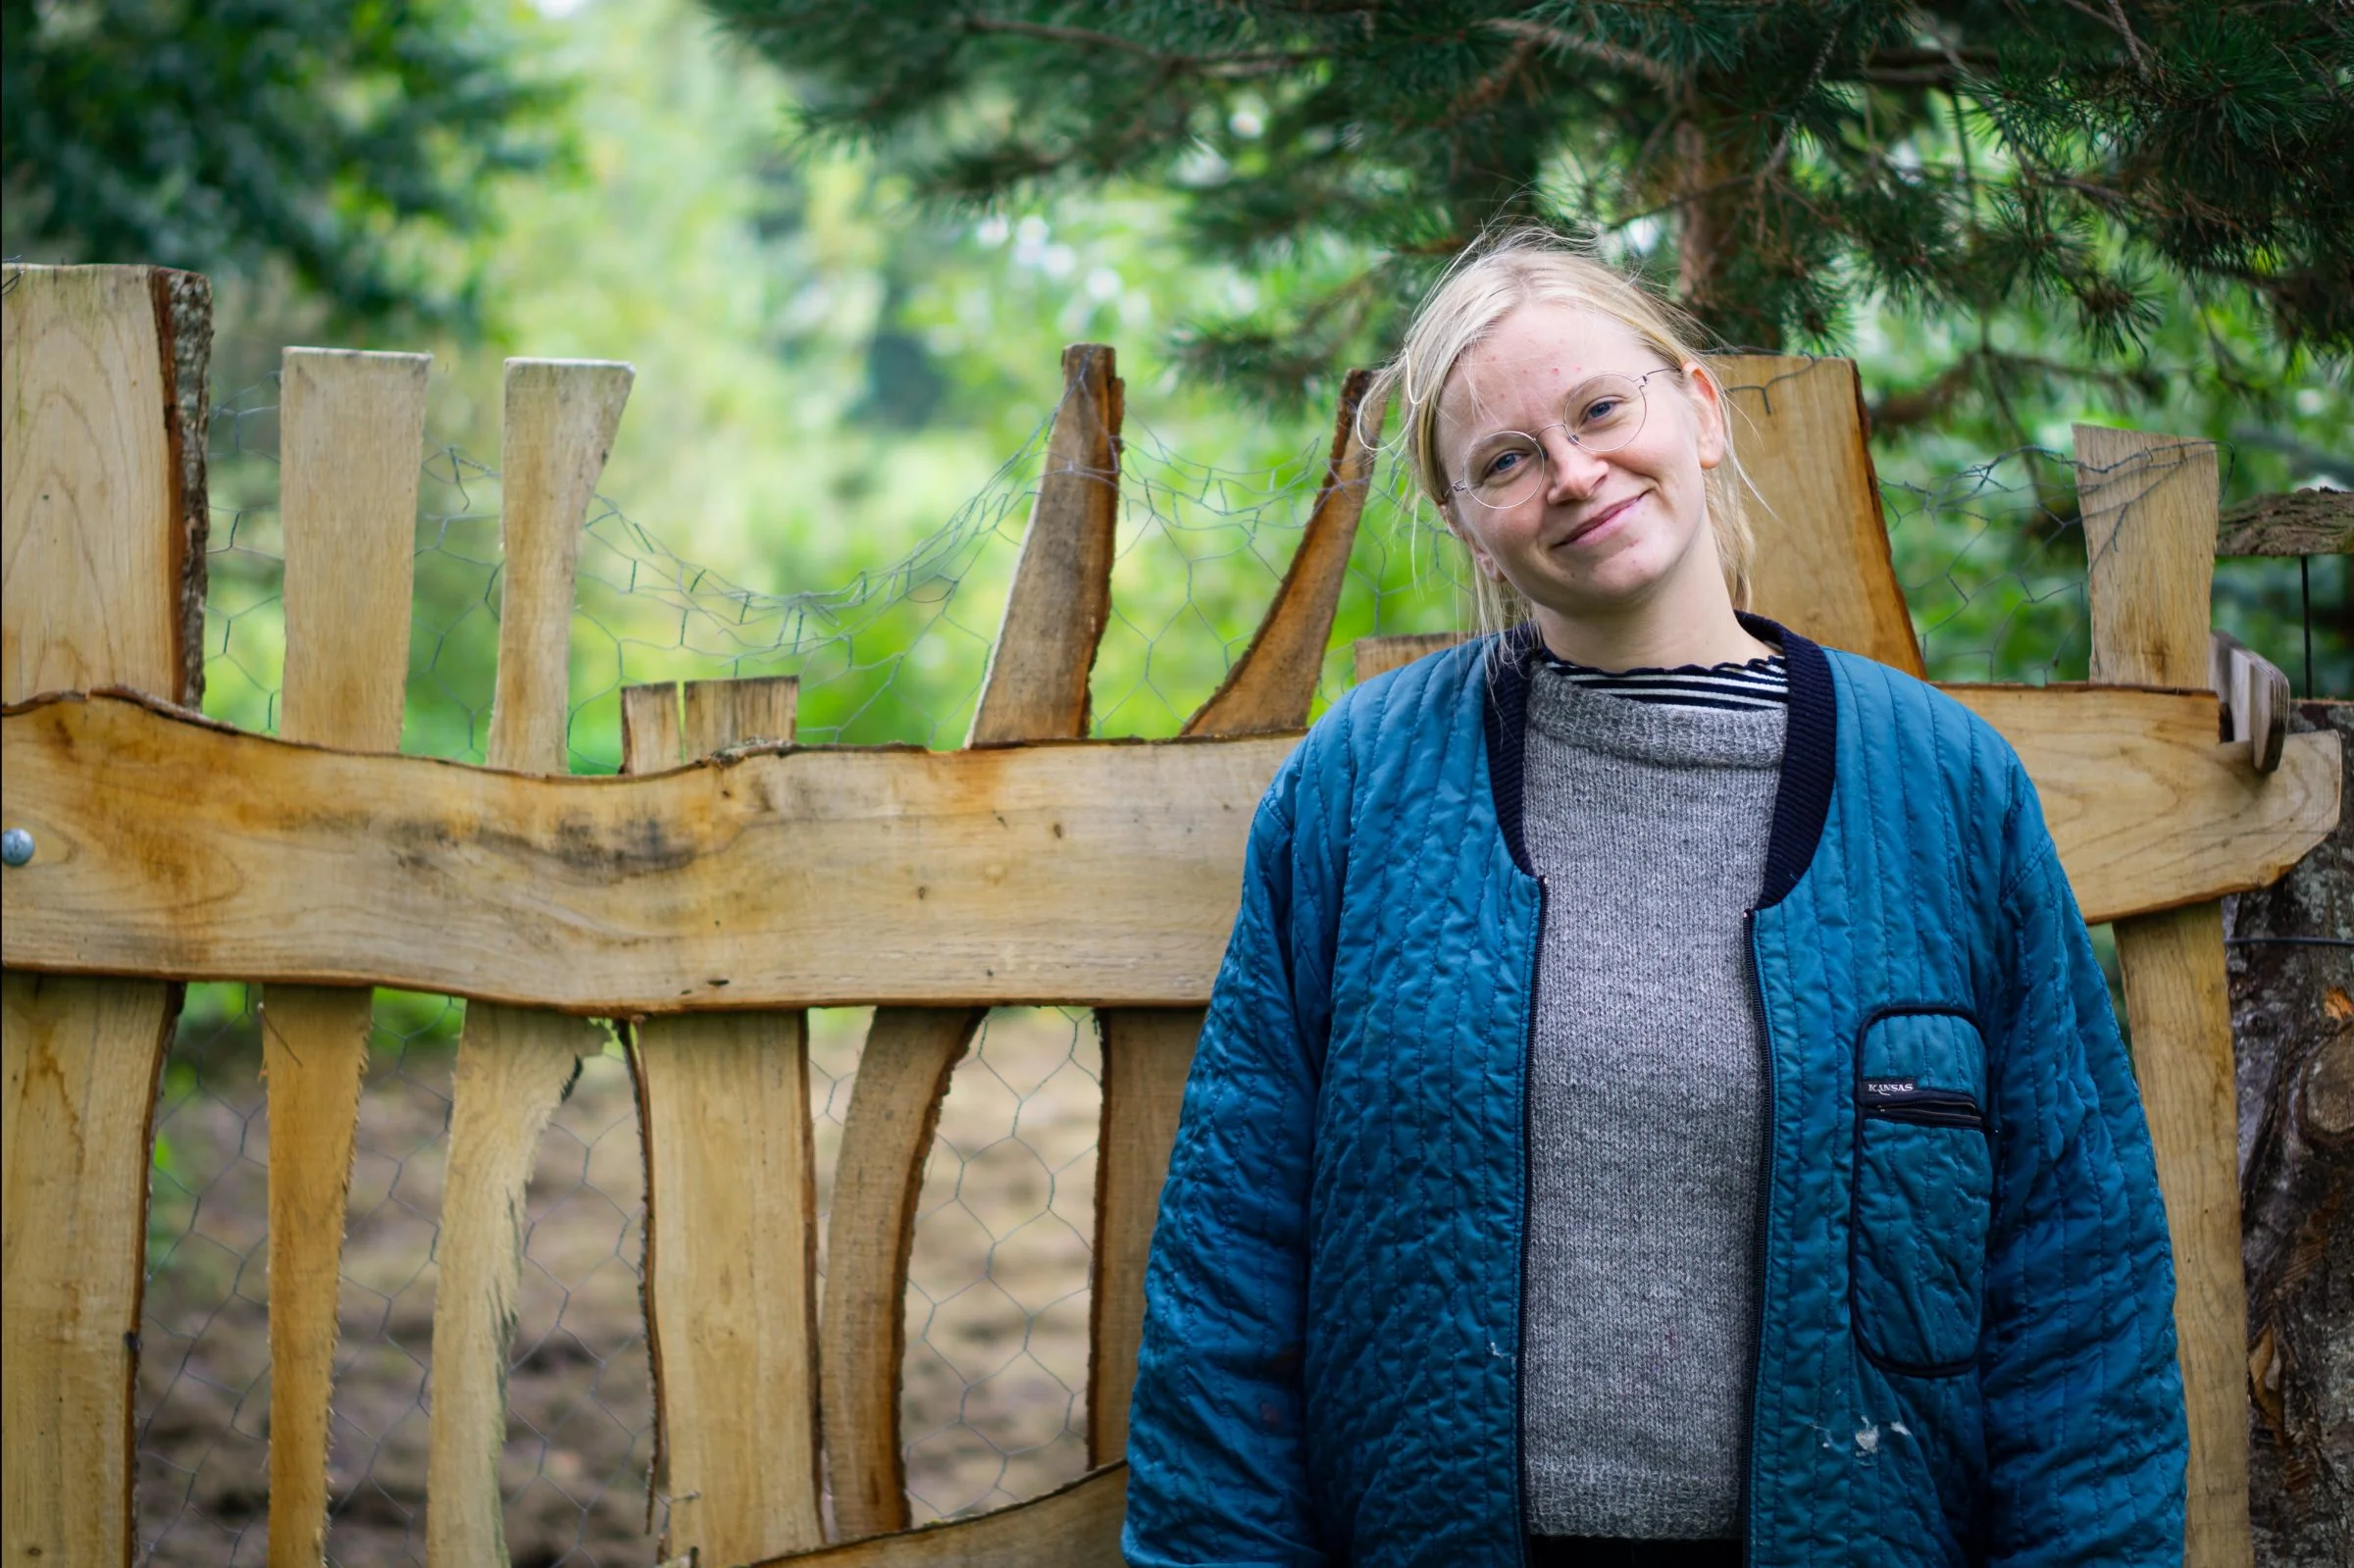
point(996, 1320)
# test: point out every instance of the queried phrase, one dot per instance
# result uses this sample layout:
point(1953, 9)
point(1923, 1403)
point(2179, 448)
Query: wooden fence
point(729, 880)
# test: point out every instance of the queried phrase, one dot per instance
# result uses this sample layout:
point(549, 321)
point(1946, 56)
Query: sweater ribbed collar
point(1801, 800)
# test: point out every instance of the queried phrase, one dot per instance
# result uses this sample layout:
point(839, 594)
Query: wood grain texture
point(80, 1059)
point(351, 437)
point(512, 1065)
point(351, 431)
point(93, 546)
point(1822, 563)
point(2254, 693)
point(1061, 595)
point(1076, 1526)
point(895, 1110)
point(1147, 1054)
point(2149, 509)
point(731, 1234)
point(513, 1068)
point(561, 417)
point(1273, 685)
point(188, 850)
point(1087, 873)
point(2148, 810)
point(1375, 656)
point(101, 582)
point(2177, 996)
point(1036, 690)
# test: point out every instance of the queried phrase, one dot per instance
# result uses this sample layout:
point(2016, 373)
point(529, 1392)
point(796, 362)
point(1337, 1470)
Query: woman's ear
point(1708, 411)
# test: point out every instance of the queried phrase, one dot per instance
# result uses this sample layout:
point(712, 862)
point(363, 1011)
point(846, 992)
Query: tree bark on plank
point(2293, 1028)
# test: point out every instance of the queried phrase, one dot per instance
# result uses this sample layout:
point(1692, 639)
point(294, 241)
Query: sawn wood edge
point(1075, 871)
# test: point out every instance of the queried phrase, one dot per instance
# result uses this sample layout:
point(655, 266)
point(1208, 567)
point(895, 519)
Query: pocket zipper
point(1903, 1100)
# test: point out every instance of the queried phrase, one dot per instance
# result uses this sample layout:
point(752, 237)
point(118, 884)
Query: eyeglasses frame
point(1463, 487)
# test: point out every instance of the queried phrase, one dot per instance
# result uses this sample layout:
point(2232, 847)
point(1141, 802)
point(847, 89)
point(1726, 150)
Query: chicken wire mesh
point(1992, 559)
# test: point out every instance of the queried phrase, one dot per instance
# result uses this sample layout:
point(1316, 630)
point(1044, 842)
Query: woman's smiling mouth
point(1595, 524)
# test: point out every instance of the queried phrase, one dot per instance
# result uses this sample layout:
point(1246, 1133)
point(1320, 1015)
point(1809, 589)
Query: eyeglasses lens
point(1599, 416)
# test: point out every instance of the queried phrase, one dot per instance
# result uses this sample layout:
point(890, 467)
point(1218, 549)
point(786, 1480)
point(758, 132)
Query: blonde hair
point(1488, 282)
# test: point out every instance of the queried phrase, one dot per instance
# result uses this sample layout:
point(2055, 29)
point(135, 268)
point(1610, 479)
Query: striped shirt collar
point(1734, 686)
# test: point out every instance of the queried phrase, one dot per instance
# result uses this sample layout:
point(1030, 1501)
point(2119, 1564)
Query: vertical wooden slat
point(1055, 611)
point(1822, 566)
point(731, 1224)
point(1273, 685)
point(1146, 1054)
point(1036, 690)
point(351, 427)
point(103, 545)
point(512, 1065)
point(2149, 507)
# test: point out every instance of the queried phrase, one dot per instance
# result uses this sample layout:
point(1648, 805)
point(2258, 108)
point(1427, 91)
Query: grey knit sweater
point(1646, 1110)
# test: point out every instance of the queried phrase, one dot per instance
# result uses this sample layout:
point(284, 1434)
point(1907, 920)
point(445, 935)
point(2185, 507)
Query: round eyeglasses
point(1508, 466)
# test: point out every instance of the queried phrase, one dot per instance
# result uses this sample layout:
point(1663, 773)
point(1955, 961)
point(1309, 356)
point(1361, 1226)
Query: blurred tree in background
point(1782, 163)
point(330, 138)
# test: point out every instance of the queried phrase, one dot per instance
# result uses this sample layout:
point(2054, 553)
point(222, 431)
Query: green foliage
point(1785, 163)
point(331, 138)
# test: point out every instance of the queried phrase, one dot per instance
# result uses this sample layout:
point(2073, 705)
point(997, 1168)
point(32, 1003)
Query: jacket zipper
point(1925, 1107)
point(1757, 1363)
point(1528, 1057)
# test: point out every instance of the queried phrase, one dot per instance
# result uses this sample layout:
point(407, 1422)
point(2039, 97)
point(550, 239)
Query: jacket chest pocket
point(1923, 1190)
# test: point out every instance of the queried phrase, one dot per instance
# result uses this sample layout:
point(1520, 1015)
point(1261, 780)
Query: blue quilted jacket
point(1966, 1353)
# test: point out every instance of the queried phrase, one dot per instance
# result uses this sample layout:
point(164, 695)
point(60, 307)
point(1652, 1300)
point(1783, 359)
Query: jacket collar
point(1802, 799)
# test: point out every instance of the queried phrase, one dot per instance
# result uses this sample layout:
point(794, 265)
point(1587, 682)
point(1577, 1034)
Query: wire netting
point(1991, 556)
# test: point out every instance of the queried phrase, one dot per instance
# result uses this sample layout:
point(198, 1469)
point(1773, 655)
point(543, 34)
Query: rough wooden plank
point(513, 1065)
point(81, 1062)
point(2148, 810)
point(1036, 690)
point(894, 1109)
point(2255, 696)
point(351, 435)
point(352, 428)
point(2177, 996)
point(1093, 874)
point(2314, 521)
point(102, 373)
point(1061, 593)
point(1146, 1054)
point(92, 546)
point(1077, 1526)
point(1380, 655)
point(1272, 686)
point(1084, 872)
point(560, 419)
point(730, 1228)
point(1822, 566)
point(649, 727)
point(2149, 509)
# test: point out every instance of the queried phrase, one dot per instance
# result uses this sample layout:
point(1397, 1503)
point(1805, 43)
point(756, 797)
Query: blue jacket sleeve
point(1218, 1467)
point(2085, 1440)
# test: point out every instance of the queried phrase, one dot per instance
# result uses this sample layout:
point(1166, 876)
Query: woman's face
point(1605, 531)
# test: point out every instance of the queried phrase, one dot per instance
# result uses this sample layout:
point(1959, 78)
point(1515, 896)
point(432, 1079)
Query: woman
point(1659, 1104)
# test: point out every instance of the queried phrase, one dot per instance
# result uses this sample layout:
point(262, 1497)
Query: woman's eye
point(1601, 409)
point(1502, 464)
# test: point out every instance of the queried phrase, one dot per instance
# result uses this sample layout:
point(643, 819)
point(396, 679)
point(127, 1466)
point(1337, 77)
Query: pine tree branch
point(1232, 63)
point(1658, 72)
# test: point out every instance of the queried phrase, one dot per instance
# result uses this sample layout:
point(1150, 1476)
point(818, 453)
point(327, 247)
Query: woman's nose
point(1571, 473)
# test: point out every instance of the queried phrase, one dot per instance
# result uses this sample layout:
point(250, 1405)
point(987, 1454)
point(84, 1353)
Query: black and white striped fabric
point(1760, 682)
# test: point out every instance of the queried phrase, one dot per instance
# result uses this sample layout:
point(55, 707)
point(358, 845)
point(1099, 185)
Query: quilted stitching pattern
point(1329, 1367)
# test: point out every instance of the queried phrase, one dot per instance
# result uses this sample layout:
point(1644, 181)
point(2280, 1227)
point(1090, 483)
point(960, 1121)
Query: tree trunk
point(2292, 1025)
